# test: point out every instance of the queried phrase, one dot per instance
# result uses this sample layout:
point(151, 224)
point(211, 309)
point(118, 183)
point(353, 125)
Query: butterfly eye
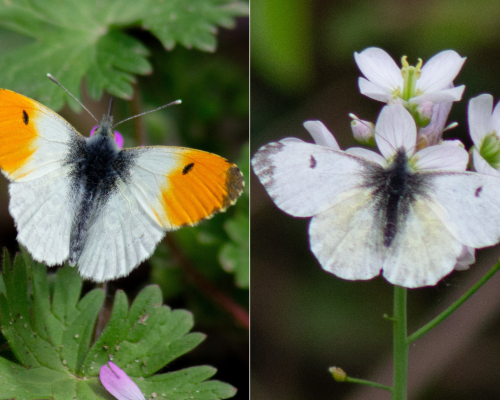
point(118, 136)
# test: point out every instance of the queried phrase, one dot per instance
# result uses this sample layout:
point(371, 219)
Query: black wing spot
point(313, 162)
point(187, 168)
point(26, 119)
point(478, 191)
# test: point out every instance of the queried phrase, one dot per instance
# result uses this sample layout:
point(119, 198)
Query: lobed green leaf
point(51, 335)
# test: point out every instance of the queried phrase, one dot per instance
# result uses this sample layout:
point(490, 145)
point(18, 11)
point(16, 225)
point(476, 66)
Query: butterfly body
point(394, 192)
point(96, 166)
point(89, 202)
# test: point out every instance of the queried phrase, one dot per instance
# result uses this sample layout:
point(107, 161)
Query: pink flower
point(118, 383)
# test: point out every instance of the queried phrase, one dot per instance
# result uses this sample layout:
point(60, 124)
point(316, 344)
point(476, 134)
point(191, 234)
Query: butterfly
point(85, 200)
point(406, 215)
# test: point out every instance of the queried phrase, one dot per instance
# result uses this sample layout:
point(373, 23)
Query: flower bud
point(338, 374)
point(424, 111)
point(432, 132)
point(490, 149)
point(118, 383)
point(363, 131)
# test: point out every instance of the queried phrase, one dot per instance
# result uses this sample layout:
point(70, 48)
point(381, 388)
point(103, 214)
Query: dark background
point(305, 320)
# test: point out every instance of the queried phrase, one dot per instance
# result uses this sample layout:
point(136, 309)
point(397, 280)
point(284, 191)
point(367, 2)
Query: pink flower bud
point(118, 383)
point(425, 112)
point(363, 131)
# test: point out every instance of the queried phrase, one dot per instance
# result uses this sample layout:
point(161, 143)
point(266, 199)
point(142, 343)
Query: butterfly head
point(105, 127)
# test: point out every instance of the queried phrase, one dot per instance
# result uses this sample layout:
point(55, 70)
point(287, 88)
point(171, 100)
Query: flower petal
point(367, 155)
point(440, 71)
point(495, 119)
point(447, 157)
point(479, 118)
point(119, 139)
point(321, 135)
point(482, 166)
point(434, 131)
point(118, 383)
point(292, 139)
point(395, 129)
point(441, 96)
point(466, 258)
point(374, 91)
point(379, 67)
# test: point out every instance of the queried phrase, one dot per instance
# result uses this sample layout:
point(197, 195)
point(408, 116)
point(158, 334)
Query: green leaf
point(234, 255)
point(51, 336)
point(73, 40)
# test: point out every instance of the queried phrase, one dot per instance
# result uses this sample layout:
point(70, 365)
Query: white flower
point(408, 85)
point(321, 135)
point(396, 128)
point(484, 125)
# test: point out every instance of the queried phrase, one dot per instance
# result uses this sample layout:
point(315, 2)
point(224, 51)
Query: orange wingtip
point(17, 130)
point(204, 185)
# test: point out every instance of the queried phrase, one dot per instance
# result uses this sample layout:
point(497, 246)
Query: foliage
point(51, 338)
point(89, 39)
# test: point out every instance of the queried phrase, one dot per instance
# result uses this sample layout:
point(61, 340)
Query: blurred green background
point(203, 269)
point(305, 320)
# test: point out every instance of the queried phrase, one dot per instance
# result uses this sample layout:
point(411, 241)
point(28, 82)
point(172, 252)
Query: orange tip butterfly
point(85, 200)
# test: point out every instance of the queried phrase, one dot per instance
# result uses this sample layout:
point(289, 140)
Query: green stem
point(401, 345)
point(441, 317)
point(368, 383)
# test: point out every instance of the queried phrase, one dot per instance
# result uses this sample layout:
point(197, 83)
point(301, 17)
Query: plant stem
point(401, 345)
point(368, 383)
point(441, 317)
point(239, 314)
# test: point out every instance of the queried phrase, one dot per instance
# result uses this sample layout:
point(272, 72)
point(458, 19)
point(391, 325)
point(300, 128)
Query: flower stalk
point(401, 345)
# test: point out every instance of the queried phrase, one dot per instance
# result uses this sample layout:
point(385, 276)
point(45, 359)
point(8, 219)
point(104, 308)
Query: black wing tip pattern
point(234, 185)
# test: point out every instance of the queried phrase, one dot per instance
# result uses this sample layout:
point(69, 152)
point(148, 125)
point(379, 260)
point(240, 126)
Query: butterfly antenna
point(147, 112)
point(110, 106)
point(67, 91)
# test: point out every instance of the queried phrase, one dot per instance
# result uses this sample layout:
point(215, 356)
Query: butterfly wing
point(424, 249)
point(35, 144)
point(165, 188)
point(457, 209)
point(470, 206)
point(305, 179)
point(346, 239)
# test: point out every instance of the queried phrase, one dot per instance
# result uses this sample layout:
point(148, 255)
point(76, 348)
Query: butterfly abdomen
point(94, 178)
point(395, 189)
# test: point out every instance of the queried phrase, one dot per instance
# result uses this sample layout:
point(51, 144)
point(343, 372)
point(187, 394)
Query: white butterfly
point(86, 201)
point(405, 214)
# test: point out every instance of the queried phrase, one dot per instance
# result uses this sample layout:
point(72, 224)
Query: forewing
point(305, 179)
point(34, 140)
point(163, 188)
point(179, 186)
point(35, 149)
point(346, 239)
point(424, 249)
point(470, 206)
